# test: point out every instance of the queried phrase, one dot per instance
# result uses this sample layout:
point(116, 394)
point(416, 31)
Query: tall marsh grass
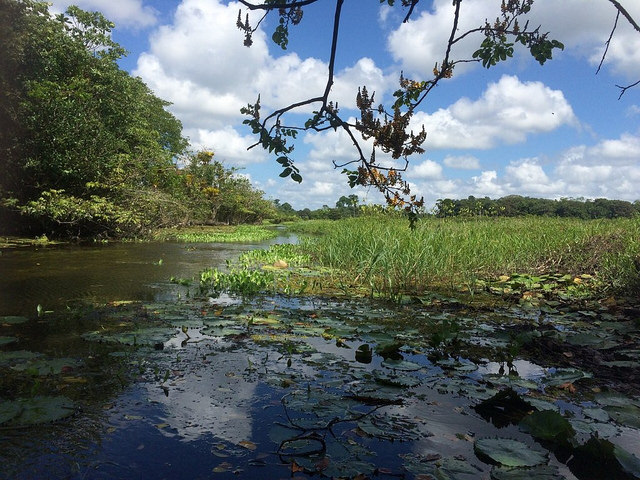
point(387, 256)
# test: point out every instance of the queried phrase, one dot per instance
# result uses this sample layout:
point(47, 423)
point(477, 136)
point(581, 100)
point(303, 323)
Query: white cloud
point(229, 146)
point(507, 112)
point(420, 43)
point(124, 13)
point(428, 169)
point(464, 162)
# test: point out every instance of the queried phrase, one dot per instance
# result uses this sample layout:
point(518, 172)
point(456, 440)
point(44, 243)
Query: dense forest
point(88, 150)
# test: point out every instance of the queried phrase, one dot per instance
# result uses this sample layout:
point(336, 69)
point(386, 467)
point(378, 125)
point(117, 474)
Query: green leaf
point(548, 425)
point(508, 452)
point(286, 172)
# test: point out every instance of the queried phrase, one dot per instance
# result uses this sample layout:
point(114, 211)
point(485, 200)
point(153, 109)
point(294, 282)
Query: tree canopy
point(389, 125)
point(89, 150)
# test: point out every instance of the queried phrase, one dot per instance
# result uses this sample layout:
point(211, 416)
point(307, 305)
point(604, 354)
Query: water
point(57, 276)
point(269, 387)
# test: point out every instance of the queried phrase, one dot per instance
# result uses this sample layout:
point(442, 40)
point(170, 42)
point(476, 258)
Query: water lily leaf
point(142, 336)
point(16, 356)
point(628, 415)
point(596, 414)
point(548, 425)
point(629, 462)
point(508, 452)
point(403, 365)
point(9, 410)
point(564, 375)
point(42, 409)
point(432, 465)
point(7, 340)
point(400, 381)
point(12, 320)
point(614, 399)
point(53, 366)
point(541, 472)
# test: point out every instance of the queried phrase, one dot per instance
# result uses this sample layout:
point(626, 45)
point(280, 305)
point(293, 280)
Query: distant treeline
point(516, 206)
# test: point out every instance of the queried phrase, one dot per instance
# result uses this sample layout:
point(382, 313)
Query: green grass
point(383, 254)
point(240, 234)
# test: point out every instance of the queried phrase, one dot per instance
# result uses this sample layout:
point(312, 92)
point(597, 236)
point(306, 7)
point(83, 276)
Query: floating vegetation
point(218, 234)
point(36, 410)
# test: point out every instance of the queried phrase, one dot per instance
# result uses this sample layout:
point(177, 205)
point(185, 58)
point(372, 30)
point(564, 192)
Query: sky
point(552, 131)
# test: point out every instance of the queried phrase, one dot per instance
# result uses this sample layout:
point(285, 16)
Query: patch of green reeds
point(240, 234)
point(385, 255)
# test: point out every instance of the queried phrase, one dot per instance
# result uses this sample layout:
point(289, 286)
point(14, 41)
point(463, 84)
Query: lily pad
point(43, 366)
point(541, 472)
point(628, 415)
point(508, 452)
point(7, 340)
point(12, 320)
point(143, 336)
point(548, 425)
point(9, 410)
point(403, 365)
point(39, 409)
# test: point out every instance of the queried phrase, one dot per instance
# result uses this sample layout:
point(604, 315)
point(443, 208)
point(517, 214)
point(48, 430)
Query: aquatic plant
point(383, 254)
point(217, 234)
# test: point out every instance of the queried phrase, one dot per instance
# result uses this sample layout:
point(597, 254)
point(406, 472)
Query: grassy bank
point(383, 254)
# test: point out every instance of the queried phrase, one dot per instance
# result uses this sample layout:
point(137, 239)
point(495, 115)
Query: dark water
point(57, 276)
point(264, 388)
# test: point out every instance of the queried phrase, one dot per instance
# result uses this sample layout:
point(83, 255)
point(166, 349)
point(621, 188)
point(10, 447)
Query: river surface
point(157, 382)
point(57, 276)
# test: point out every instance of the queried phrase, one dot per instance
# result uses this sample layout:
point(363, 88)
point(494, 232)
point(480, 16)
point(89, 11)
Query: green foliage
point(91, 151)
point(242, 281)
point(383, 254)
point(516, 205)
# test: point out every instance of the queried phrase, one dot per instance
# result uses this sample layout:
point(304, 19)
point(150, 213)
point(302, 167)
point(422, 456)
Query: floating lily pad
point(9, 410)
point(16, 356)
point(433, 466)
point(508, 452)
point(13, 320)
point(548, 425)
point(400, 381)
point(36, 410)
point(564, 375)
point(627, 415)
point(629, 462)
point(43, 366)
point(143, 336)
point(541, 472)
point(403, 365)
point(7, 340)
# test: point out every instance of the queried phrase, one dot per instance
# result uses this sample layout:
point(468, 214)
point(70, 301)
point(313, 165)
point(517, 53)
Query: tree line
point(87, 150)
point(516, 205)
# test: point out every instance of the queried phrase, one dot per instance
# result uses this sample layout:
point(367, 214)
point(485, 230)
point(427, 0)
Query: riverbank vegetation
point(530, 259)
point(88, 151)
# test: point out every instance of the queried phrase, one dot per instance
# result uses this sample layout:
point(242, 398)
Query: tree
point(388, 125)
point(87, 149)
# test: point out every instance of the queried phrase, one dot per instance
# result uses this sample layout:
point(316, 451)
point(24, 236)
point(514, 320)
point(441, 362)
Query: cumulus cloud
point(507, 112)
point(463, 162)
point(420, 43)
point(124, 13)
point(230, 146)
point(428, 169)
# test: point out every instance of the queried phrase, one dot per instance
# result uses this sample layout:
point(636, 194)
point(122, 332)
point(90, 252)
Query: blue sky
point(518, 128)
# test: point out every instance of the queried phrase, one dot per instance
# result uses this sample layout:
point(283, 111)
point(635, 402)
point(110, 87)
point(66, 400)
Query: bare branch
point(608, 42)
point(624, 89)
point(626, 15)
